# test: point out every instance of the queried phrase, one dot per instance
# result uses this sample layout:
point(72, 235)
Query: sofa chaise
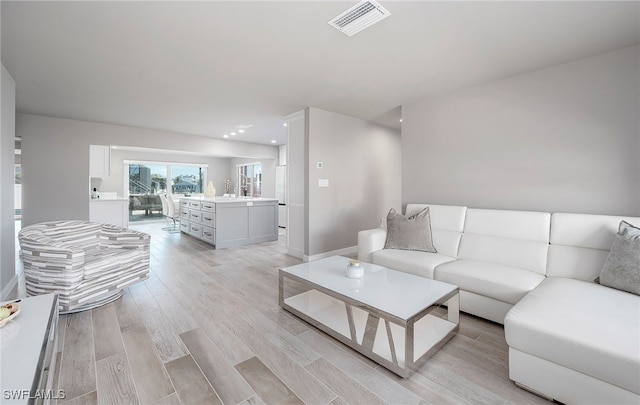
point(87, 264)
point(570, 339)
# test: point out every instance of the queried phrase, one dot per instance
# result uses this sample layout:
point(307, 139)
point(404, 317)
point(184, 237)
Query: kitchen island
point(228, 222)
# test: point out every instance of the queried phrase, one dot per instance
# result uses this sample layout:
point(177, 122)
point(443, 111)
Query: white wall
point(562, 139)
point(362, 163)
point(217, 171)
point(55, 160)
point(7, 143)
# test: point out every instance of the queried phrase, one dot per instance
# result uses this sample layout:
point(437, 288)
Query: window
point(17, 184)
point(18, 174)
point(187, 179)
point(249, 179)
point(145, 181)
point(17, 196)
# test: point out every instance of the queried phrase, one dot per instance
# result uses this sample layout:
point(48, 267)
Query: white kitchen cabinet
point(99, 161)
point(110, 211)
point(282, 155)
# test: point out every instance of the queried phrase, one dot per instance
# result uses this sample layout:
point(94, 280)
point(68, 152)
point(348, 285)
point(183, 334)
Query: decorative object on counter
point(8, 312)
point(94, 193)
point(227, 186)
point(210, 192)
point(354, 269)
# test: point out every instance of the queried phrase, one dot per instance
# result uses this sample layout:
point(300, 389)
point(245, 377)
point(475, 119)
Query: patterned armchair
point(87, 264)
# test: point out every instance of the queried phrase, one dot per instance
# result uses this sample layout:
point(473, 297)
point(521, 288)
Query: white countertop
point(220, 199)
point(109, 199)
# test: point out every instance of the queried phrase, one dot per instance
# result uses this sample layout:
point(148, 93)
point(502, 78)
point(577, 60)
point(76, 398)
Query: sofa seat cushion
point(582, 326)
point(409, 261)
point(504, 283)
point(111, 263)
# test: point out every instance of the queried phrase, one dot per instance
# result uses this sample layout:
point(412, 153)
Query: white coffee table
point(385, 315)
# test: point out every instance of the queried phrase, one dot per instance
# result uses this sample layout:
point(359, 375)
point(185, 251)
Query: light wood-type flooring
point(206, 328)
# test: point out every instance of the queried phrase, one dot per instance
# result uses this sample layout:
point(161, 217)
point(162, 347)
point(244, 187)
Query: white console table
point(28, 352)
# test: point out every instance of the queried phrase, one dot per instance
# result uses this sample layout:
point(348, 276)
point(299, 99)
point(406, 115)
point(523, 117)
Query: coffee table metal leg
point(392, 346)
point(370, 332)
point(352, 327)
point(409, 346)
point(453, 309)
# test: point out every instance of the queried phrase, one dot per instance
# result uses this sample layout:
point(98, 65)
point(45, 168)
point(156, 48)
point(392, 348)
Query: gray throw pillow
point(413, 233)
point(621, 270)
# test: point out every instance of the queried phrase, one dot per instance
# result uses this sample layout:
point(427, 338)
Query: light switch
point(323, 182)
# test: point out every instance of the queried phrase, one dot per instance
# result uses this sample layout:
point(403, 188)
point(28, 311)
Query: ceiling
point(203, 67)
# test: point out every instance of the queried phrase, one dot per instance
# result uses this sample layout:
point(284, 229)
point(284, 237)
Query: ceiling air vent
point(359, 17)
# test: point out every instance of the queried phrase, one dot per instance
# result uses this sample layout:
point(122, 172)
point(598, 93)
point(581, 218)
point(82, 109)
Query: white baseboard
point(8, 288)
point(345, 251)
point(297, 253)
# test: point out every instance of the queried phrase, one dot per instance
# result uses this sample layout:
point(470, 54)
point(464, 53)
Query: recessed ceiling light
point(243, 126)
point(233, 133)
point(225, 136)
point(285, 124)
point(273, 141)
point(400, 119)
point(241, 131)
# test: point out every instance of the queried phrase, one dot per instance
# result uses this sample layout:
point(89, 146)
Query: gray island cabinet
point(228, 222)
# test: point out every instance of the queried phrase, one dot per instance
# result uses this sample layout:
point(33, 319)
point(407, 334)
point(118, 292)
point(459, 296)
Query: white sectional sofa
point(569, 338)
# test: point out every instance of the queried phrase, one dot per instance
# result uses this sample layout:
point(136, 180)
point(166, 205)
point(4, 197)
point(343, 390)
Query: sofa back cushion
point(447, 223)
point(511, 238)
point(580, 243)
point(81, 234)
